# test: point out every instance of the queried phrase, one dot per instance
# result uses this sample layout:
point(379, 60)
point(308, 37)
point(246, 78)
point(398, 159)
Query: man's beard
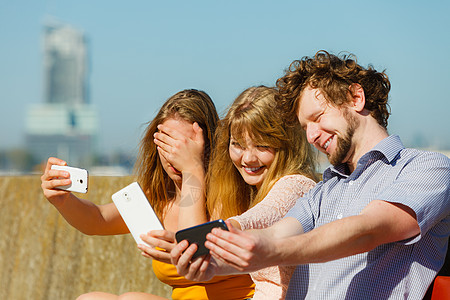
point(344, 143)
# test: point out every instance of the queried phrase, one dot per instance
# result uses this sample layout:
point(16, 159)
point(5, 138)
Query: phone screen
point(197, 234)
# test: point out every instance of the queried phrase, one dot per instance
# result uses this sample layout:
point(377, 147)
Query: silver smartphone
point(136, 211)
point(79, 178)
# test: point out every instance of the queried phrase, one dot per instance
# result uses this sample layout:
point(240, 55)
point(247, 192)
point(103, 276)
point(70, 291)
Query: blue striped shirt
point(400, 270)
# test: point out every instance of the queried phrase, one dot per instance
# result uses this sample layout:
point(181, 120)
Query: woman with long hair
point(259, 168)
point(192, 115)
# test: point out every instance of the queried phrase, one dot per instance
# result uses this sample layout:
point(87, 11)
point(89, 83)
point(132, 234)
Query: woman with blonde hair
point(259, 168)
point(192, 115)
point(254, 117)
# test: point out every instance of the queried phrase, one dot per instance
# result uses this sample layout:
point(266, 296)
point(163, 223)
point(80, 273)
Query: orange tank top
point(233, 287)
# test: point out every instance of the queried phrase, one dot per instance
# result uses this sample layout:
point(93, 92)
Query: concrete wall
point(42, 257)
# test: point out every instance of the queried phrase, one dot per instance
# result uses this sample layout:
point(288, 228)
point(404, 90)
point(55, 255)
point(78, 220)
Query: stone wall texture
point(43, 257)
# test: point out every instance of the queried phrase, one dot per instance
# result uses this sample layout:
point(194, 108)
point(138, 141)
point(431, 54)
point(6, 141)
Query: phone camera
point(127, 198)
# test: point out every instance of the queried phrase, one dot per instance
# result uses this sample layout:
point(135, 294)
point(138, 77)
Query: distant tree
point(20, 160)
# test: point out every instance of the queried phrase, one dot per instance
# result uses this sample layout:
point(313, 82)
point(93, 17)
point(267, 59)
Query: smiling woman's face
point(251, 160)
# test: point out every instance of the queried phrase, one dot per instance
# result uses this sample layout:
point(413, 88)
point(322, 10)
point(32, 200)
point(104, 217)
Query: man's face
point(328, 128)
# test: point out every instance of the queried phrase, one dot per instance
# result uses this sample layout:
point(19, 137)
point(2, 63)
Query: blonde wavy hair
point(254, 112)
point(190, 105)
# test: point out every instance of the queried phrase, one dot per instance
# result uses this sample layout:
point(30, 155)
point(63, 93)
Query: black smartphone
point(197, 235)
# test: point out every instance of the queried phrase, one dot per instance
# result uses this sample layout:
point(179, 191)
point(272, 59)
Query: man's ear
point(358, 97)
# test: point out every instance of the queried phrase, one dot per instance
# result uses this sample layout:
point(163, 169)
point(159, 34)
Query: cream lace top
point(272, 282)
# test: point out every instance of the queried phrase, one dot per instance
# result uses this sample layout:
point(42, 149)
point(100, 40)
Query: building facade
point(65, 125)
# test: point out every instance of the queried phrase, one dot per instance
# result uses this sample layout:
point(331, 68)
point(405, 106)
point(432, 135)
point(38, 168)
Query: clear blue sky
point(143, 51)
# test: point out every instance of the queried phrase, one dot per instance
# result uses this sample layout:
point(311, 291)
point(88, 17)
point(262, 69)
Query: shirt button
point(339, 216)
point(350, 183)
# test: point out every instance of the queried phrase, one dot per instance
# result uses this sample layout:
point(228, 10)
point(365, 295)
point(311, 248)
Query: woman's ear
point(358, 97)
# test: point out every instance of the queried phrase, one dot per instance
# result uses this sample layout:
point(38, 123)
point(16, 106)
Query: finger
point(165, 154)
point(233, 247)
point(220, 255)
point(162, 234)
point(163, 139)
point(171, 132)
point(50, 184)
point(232, 235)
point(232, 242)
point(50, 180)
point(156, 242)
point(231, 227)
point(194, 268)
point(54, 161)
point(205, 264)
point(60, 174)
point(185, 259)
point(50, 174)
point(171, 145)
point(54, 176)
point(178, 250)
point(163, 146)
point(154, 254)
point(143, 250)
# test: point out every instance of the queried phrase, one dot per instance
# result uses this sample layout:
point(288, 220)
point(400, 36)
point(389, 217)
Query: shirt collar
point(389, 147)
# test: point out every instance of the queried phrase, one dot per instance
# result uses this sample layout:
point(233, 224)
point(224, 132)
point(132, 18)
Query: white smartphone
point(136, 211)
point(78, 176)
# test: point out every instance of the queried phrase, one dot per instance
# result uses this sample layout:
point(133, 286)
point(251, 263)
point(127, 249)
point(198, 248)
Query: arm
point(379, 223)
point(82, 214)
point(272, 208)
point(417, 195)
point(186, 155)
point(204, 268)
point(280, 199)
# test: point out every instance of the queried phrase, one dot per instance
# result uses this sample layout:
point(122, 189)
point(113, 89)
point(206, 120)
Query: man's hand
point(246, 251)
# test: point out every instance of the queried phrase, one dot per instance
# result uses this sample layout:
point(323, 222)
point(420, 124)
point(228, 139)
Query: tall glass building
point(65, 64)
point(65, 125)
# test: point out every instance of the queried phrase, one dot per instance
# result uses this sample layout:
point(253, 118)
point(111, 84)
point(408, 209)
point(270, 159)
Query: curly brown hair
point(333, 76)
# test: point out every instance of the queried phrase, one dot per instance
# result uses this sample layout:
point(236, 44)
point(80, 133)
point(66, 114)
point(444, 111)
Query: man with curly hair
point(376, 227)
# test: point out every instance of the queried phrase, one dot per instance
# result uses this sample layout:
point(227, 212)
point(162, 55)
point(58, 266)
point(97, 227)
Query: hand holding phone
point(79, 178)
point(197, 234)
point(136, 211)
